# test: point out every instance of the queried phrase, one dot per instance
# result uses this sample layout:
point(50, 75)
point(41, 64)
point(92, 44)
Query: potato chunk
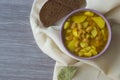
point(66, 25)
point(89, 13)
point(71, 45)
point(99, 21)
point(79, 19)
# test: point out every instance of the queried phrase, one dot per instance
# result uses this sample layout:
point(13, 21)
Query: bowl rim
point(109, 37)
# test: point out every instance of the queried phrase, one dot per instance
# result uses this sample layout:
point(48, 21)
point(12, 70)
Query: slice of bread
point(54, 10)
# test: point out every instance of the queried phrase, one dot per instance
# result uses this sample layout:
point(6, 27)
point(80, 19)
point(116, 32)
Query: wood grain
point(20, 57)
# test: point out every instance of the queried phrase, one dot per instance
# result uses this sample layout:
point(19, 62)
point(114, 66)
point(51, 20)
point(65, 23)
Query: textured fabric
point(105, 67)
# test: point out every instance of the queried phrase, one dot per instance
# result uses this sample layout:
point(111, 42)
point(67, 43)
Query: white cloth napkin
point(105, 67)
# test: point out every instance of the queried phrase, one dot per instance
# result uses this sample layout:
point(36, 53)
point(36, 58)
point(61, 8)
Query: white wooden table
point(20, 57)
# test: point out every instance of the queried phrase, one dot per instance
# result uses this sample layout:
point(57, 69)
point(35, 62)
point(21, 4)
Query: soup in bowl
point(85, 34)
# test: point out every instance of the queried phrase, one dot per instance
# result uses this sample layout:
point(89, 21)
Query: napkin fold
point(105, 67)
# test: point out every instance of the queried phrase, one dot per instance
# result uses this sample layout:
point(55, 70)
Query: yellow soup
point(85, 34)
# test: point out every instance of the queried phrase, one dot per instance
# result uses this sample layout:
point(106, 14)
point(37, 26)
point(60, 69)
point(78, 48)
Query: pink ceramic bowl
point(103, 50)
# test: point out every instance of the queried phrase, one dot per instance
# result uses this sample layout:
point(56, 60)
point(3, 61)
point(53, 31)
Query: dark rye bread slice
point(52, 12)
point(73, 4)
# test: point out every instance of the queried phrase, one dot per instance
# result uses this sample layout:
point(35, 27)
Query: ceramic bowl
point(108, 41)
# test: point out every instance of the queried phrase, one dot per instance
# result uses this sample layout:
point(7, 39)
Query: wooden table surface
point(20, 57)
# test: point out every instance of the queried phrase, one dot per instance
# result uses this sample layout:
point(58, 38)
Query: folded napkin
point(105, 67)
